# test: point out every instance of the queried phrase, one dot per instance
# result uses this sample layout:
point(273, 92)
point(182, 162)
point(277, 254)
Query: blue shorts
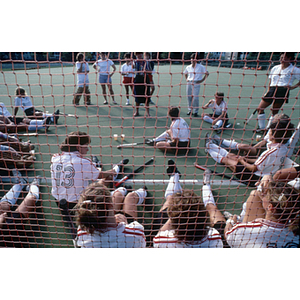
point(103, 78)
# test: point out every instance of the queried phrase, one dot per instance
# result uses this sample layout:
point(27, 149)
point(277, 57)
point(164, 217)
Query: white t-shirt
point(23, 102)
point(104, 66)
point(284, 77)
point(3, 110)
point(167, 239)
point(180, 130)
point(218, 109)
point(127, 68)
point(195, 74)
point(82, 78)
point(123, 236)
point(271, 160)
point(261, 233)
point(71, 173)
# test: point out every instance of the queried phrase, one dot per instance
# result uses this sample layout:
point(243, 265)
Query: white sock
point(164, 136)
point(216, 152)
point(121, 189)
point(293, 141)
point(219, 123)
point(13, 194)
point(173, 186)
point(207, 196)
point(230, 144)
point(208, 119)
point(261, 121)
point(243, 213)
point(34, 191)
point(142, 195)
point(270, 122)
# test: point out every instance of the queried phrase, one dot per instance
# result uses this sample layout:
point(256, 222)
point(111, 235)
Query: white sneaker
point(19, 179)
point(36, 181)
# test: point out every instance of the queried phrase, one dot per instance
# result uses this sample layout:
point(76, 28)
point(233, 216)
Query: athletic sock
point(116, 168)
point(122, 190)
point(261, 121)
point(219, 123)
point(173, 186)
point(13, 194)
point(230, 144)
point(142, 194)
point(217, 153)
point(208, 119)
point(270, 122)
point(207, 196)
point(34, 191)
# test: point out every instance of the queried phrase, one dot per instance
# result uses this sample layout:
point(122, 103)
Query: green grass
point(53, 88)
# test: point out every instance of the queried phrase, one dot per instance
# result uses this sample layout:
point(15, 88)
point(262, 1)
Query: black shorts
point(180, 144)
point(31, 111)
point(15, 120)
point(217, 116)
point(243, 174)
point(141, 89)
point(277, 94)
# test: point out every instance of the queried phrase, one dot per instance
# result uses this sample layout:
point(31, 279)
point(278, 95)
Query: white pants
point(192, 92)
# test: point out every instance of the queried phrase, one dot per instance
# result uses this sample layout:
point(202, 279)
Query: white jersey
point(82, 78)
point(71, 173)
point(180, 130)
point(261, 233)
point(167, 239)
point(284, 77)
point(195, 74)
point(218, 109)
point(23, 102)
point(3, 110)
point(126, 69)
point(123, 236)
point(271, 160)
point(104, 66)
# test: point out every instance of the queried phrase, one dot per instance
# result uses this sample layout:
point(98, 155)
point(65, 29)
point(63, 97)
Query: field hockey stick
point(63, 205)
point(218, 174)
point(27, 134)
point(137, 170)
point(252, 115)
point(129, 145)
point(68, 115)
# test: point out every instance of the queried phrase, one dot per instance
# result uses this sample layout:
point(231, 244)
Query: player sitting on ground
point(15, 143)
point(12, 231)
point(25, 103)
point(219, 117)
point(251, 169)
point(270, 219)
point(176, 138)
point(71, 171)
point(254, 150)
point(100, 227)
point(187, 215)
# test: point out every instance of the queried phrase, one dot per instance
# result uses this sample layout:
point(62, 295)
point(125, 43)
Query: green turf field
point(52, 88)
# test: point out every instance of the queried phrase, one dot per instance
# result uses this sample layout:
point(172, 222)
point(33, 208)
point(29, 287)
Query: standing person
point(194, 74)
point(219, 117)
point(251, 170)
point(83, 69)
point(149, 72)
point(71, 171)
point(127, 71)
point(100, 227)
point(141, 85)
point(24, 102)
point(187, 216)
point(103, 65)
point(271, 219)
point(177, 137)
point(281, 79)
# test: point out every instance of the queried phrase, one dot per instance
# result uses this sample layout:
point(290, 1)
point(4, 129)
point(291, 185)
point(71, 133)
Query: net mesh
point(50, 81)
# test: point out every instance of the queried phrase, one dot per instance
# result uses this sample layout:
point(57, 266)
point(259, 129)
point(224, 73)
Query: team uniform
point(104, 70)
point(281, 80)
point(180, 130)
point(26, 105)
point(261, 233)
point(218, 110)
point(123, 236)
point(129, 77)
point(193, 86)
point(83, 82)
point(167, 239)
point(71, 173)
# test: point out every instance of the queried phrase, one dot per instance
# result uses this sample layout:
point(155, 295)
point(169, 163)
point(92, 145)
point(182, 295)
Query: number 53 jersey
point(71, 173)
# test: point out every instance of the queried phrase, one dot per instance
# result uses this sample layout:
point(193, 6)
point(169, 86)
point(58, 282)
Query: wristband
point(230, 221)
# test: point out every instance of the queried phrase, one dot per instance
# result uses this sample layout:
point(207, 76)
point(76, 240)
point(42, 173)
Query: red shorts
point(150, 76)
point(128, 80)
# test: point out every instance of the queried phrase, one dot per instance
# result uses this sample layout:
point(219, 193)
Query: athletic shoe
point(195, 114)
point(206, 140)
point(96, 161)
point(229, 125)
point(188, 113)
point(136, 115)
point(127, 103)
point(121, 164)
point(216, 128)
point(150, 142)
point(114, 102)
point(206, 176)
point(105, 102)
point(151, 102)
point(48, 120)
point(259, 130)
point(172, 169)
point(36, 181)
